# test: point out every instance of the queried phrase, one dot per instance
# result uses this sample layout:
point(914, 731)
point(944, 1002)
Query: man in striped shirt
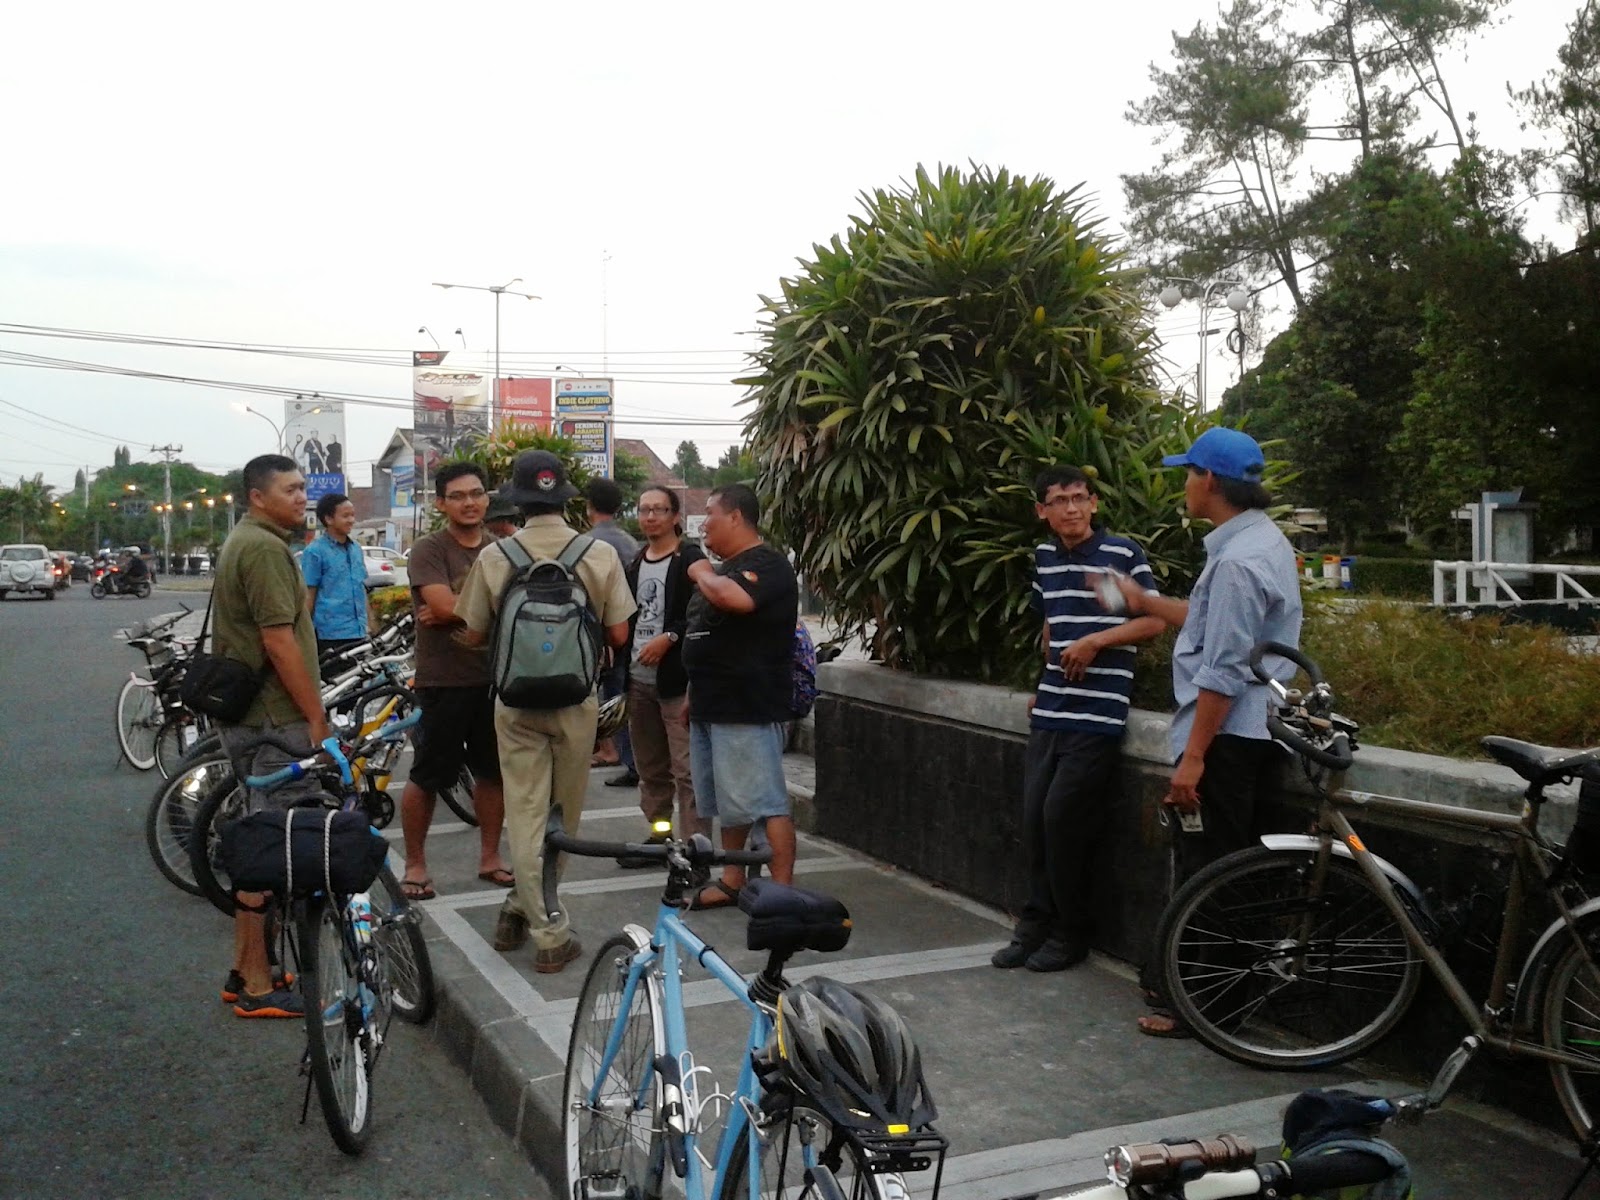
point(1076, 721)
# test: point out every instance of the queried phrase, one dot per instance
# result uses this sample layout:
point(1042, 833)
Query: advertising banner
point(527, 402)
point(447, 408)
point(402, 486)
point(584, 414)
point(313, 435)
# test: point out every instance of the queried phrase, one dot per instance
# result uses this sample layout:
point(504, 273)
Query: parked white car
point(385, 567)
point(27, 568)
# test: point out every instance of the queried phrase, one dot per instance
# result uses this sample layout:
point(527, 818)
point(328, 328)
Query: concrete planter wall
point(927, 774)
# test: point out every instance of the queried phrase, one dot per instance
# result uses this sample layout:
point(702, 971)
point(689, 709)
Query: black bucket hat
point(538, 478)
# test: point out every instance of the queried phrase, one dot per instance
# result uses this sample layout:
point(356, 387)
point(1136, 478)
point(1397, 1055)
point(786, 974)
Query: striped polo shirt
point(1063, 593)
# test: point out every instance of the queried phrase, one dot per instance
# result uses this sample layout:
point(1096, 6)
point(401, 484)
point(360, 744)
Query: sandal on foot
point(416, 889)
point(500, 877)
point(730, 897)
point(1159, 1024)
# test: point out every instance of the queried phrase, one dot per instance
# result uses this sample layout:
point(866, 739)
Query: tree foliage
point(1566, 104)
point(496, 452)
point(966, 330)
point(688, 466)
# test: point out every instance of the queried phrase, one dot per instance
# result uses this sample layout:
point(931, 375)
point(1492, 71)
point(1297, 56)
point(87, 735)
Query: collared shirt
point(259, 587)
point(1063, 593)
point(618, 538)
point(339, 573)
point(1249, 592)
point(545, 536)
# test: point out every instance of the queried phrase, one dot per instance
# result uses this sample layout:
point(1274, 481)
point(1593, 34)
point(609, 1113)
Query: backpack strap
point(515, 555)
point(570, 560)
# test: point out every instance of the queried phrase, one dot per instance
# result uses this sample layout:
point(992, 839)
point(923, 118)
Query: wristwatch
point(673, 638)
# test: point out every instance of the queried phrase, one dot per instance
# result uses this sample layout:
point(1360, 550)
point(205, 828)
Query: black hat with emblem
point(538, 479)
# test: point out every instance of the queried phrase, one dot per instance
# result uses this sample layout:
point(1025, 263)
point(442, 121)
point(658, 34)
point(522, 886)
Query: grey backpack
point(547, 639)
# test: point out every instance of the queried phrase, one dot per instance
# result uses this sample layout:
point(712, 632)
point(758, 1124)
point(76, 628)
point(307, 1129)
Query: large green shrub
point(966, 330)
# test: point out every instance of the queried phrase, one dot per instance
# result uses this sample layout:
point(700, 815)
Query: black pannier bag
point(302, 850)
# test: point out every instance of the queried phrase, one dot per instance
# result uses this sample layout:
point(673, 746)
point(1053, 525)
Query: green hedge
point(1398, 578)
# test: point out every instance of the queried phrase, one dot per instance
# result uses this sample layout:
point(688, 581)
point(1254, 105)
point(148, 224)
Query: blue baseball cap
point(1224, 452)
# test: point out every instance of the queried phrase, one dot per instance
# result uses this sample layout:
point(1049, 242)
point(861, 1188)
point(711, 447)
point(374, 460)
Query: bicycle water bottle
point(361, 918)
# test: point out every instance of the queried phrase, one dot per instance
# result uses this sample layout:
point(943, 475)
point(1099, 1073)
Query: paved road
point(123, 1074)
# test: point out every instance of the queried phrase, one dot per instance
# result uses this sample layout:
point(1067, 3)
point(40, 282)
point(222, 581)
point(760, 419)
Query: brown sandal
point(730, 894)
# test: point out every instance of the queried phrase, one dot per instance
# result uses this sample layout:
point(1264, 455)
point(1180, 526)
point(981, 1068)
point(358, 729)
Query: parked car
point(27, 568)
point(385, 567)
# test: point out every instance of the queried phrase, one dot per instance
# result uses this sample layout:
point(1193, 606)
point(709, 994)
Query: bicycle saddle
point(1538, 764)
point(786, 919)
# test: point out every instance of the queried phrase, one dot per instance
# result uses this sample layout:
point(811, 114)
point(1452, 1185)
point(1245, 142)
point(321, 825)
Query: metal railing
point(1493, 587)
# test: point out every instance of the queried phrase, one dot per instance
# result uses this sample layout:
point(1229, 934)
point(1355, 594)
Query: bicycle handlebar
point(337, 754)
point(1336, 757)
point(1263, 649)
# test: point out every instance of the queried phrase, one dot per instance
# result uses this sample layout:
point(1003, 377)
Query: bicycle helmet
point(613, 716)
point(853, 1055)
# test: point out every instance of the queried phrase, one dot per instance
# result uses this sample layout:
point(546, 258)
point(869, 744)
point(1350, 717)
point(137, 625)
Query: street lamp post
point(1206, 291)
point(282, 431)
point(502, 289)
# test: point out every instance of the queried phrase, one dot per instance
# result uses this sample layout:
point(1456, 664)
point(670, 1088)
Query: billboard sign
point(313, 435)
point(448, 407)
point(583, 413)
point(527, 402)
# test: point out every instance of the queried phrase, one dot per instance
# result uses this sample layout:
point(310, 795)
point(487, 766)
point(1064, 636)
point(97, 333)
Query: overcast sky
point(299, 175)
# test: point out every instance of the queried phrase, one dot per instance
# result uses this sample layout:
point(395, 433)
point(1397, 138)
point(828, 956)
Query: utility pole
point(167, 454)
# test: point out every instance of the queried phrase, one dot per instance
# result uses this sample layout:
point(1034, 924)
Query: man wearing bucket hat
point(502, 518)
point(544, 754)
point(1249, 592)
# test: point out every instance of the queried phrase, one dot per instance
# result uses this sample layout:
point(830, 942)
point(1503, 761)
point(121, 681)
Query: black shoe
point(629, 778)
point(1057, 955)
point(1010, 957)
point(638, 862)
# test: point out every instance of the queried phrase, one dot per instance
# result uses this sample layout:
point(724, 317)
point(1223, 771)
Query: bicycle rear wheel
point(614, 1144)
point(1269, 968)
point(171, 819)
point(460, 799)
point(138, 720)
point(841, 1174)
point(1571, 1010)
point(339, 1010)
point(403, 953)
point(179, 734)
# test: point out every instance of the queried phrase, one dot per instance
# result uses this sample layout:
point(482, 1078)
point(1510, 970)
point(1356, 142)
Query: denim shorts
point(738, 771)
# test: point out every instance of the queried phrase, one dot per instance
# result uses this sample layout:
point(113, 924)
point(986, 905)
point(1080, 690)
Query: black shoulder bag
point(220, 688)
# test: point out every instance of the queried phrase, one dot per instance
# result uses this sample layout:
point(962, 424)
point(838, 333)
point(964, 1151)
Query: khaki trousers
point(544, 754)
point(661, 756)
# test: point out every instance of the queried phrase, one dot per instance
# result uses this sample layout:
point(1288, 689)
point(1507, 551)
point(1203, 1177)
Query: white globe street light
point(1207, 292)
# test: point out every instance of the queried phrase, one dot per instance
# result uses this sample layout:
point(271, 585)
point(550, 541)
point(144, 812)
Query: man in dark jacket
point(657, 683)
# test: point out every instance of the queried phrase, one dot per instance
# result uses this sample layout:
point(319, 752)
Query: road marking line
point(502, 976)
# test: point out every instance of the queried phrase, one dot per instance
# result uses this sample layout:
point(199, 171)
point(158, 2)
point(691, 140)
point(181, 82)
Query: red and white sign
point(526, 402)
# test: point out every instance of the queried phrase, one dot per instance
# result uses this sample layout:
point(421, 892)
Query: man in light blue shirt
point(1249, 592)
point(336, 577)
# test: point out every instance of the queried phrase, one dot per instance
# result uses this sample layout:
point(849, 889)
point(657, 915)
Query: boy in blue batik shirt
point(1076, 722)
point(336, 577)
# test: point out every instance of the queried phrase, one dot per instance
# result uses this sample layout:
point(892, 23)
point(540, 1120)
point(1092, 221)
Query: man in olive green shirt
point(259, 617)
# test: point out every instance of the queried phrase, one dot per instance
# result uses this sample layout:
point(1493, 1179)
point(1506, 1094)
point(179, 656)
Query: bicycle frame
point(1488, 1020)
point(671, 942)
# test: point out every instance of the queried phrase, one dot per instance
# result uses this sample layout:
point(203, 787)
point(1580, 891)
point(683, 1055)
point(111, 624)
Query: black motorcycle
point(113, 582)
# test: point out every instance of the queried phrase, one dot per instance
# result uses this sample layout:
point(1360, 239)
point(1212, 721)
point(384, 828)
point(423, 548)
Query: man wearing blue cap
point(1249, 592)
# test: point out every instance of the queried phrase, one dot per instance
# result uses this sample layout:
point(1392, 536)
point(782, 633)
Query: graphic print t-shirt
point(652, 600)
point(740, 665)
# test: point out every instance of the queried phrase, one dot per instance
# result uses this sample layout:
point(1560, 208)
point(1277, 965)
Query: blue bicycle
point(830, 1100)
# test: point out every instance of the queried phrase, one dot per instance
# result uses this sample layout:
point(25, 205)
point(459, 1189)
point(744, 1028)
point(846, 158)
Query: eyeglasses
point(654, 510)
point(475, 494)
point(1078, 500)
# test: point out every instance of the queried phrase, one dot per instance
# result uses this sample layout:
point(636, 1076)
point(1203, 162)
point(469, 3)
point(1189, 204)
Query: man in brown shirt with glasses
point(457, 727)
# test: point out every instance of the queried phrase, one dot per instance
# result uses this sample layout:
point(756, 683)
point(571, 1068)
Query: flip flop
point(416, 889)
point(500, 877)
point(1177, 1029)
point(698, 904)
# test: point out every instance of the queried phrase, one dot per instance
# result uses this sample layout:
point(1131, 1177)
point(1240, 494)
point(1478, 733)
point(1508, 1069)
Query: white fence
point(1490, 580)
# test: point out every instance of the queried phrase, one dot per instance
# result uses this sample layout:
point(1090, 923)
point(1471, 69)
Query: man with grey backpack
point(546, 601)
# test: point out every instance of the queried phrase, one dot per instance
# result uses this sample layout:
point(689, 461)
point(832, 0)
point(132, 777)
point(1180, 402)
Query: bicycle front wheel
point(179, 734)
point(840, 1173)
point(403, 953)
point(1572, 1023)
point(339, 1011)
point(221, 802)
point(171, 819)
point(1271, 967)
point(138, 720)
point(613, 1136)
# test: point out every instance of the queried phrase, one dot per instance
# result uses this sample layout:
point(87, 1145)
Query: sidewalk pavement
point(1034, 1075)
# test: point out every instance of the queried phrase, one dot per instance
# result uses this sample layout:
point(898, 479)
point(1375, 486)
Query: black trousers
point(1069, 787)
point(1238, 772)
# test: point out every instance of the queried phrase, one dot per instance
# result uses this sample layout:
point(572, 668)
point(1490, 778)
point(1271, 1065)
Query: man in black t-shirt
point(739, 653)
